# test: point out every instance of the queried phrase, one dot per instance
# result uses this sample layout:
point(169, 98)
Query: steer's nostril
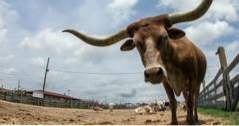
point(160, 72)
point(146, 74)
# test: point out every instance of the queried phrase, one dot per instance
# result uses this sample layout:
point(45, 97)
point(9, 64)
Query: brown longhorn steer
point(167, 54)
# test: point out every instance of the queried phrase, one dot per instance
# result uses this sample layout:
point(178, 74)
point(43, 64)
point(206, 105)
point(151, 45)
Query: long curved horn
point(100, 42)
point(191, 15)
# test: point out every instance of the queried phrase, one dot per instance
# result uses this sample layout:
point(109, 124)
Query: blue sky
point(30, 31)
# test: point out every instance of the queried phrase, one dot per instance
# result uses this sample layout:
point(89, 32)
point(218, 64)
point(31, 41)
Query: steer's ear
point(175, 33)
point(128, 45)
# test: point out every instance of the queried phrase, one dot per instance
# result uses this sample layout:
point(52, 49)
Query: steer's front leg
point(173, 103)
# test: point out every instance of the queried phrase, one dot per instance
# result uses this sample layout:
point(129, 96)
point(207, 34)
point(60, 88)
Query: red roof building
point(3, 90)
point(55, 95)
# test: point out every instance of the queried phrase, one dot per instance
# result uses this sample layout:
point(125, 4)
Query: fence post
point(5, 96)
point(226, 81)
point(204, 92)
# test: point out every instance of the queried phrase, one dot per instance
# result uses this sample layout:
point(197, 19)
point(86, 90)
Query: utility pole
point(18, 85)
point(19, 92)
point(2, 83)
point(68, 92)
point(46, 71)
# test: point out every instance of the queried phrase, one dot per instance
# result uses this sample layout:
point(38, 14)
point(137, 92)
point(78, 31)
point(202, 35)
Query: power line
point(9, 76)
point(97, 73)
point(74, 72)
point(14, 75)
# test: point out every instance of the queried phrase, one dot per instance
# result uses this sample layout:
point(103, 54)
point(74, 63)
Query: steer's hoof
point(196, 119)
point(191, 122)
point(174, 123)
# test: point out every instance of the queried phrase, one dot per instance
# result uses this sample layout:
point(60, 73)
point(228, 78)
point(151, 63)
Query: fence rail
point(222, 93)
point(28, 99)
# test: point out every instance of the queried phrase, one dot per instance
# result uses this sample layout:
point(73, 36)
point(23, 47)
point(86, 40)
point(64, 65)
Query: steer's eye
point(163, 38)
point(140, 46)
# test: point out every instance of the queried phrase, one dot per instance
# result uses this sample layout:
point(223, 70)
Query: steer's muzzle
point(154, 74)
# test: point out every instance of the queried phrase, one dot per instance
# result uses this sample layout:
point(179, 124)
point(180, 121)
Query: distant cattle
point(158, 107)
point(151, 109)
point(111, 106)
point(144, 110)
point(97, 108)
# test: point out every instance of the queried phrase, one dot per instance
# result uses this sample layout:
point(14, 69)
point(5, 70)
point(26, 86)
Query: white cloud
point(220, 9)
point(204, 33)
point(1, 23)
point(3, 33)
point(103, 17)
point(232, 50)
point(48, 40)
point(122, 4)
point(121, 10)
point(233, 47)
point(7, 15)
point(8, 21)
point(7, 59)
point(10, 70)
point(224, 10)
point(179, 5)
point(4, 8)
point(39, 61)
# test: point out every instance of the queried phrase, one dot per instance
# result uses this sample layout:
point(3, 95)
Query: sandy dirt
point(12, 113)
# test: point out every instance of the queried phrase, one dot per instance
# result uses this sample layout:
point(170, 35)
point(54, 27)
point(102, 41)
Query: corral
point(180, 59)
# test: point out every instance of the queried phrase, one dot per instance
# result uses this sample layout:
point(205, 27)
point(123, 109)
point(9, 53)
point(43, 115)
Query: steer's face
point(151, 41)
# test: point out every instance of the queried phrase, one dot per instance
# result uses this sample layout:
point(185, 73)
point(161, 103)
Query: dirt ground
point(12, 113)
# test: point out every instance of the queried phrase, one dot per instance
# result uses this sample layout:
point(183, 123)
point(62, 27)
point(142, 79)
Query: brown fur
point(185, 64)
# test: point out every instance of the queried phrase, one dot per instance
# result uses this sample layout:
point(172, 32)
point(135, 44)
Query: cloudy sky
point(30, 31)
